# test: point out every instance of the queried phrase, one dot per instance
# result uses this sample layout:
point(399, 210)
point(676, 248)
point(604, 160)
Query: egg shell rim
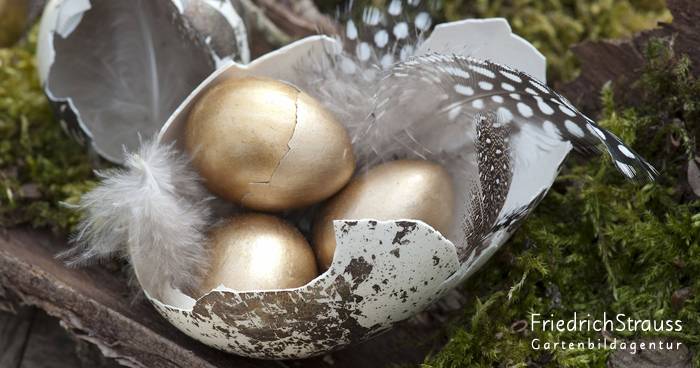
point(378, 314)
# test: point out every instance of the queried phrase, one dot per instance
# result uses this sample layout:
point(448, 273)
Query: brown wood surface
point(293, 19)
point(14, 333)
point(621, 61)
point(29, 338)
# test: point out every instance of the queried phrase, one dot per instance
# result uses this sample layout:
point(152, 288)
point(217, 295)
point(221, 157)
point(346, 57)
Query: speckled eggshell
point(383, 273)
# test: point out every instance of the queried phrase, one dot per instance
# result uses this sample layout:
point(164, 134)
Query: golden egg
point(258, 252)
point(403, 189)
point(268, 146)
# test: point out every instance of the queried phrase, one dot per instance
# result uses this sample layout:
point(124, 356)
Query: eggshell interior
point(383, 271)
point(102, 64)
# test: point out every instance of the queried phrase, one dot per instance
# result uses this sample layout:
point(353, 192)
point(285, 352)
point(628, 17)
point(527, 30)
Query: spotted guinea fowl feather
point(386, 36)
point(470, 86)
point(484, 122)
point(462, 111)
point(488, 193)
point(379, 64)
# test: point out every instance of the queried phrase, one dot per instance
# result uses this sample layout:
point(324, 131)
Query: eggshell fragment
point(115, 71)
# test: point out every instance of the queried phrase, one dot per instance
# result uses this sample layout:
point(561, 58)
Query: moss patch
point(40, 166)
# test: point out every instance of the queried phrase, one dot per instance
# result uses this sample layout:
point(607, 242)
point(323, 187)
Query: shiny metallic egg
point(258, 252)
point(403, 189)
point(267, 146)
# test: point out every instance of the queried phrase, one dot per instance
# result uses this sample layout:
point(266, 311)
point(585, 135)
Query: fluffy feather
point(154, 212)
point(347, 80)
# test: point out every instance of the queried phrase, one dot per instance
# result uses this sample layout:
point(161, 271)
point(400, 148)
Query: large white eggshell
point(383, 271)
point(489, 39)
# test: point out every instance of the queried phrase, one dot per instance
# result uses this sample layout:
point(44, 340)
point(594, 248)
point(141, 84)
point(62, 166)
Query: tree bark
point(621, 61)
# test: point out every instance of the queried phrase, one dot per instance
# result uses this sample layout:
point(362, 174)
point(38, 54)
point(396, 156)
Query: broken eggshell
point(114, 71)
point(383, 272)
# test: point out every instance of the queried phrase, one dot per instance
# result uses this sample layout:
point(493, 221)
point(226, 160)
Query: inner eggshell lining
point(136, 80)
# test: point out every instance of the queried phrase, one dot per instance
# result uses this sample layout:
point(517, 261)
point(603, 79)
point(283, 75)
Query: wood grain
point(14, 336)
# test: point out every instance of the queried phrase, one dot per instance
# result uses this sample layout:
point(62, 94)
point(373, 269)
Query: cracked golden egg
point(258, 252)
point(397, 190)
point(268, 146)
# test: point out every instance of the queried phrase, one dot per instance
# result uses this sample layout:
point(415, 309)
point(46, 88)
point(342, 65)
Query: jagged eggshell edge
point(383, 273)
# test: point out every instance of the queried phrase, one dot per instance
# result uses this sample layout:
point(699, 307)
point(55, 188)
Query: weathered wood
point(96, 306)
point(48, 345)
point(29, 338)
point(273, 23)
point(621, 61)
point(298, 18)
point(14, 335)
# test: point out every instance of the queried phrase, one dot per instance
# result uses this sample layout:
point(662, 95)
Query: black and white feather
point(471, 86)
point(463, 112)
point(386, 36)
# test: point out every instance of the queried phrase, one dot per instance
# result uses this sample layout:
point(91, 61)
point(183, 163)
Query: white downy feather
point(154, 212)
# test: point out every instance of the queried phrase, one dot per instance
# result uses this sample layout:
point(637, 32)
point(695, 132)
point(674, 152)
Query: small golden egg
point(403, 189)
point(258, 252)
point(268, 146)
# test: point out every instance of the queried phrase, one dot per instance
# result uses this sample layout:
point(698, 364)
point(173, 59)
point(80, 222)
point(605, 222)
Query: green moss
point(40, 166)
point(598, 243)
